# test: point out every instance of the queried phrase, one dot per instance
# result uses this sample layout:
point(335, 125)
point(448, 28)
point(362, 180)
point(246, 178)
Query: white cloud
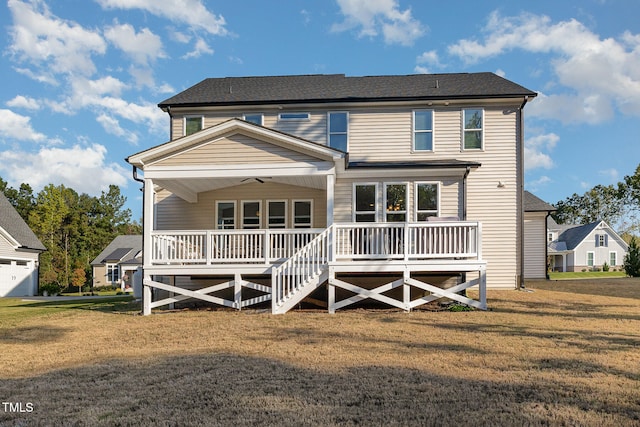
point(25, 102)
point(200, 48)
point(50, 43)
point(597, 75)
point(539, 183)
point(189, 12)
point(17, 127)
point(536, 151)
point(143, 47)
point(112, 125)
point(611, 175)
point(81, 168)
point(373, 17)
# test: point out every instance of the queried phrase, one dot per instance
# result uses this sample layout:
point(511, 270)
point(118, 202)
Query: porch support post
point(406, 290)
point(237, 290)
point(331, 183)
point(331, 291)
point(172, 282)
point(146, 298)
point(482, 285)
point(148, 202)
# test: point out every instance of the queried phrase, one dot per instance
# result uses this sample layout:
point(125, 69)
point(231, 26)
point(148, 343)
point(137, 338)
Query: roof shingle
point(12, 223)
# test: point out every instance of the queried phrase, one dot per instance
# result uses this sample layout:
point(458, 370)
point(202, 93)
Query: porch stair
point(301, 274)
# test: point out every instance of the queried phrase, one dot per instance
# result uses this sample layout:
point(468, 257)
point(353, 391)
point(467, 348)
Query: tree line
point(617, 204)
point(73, 227)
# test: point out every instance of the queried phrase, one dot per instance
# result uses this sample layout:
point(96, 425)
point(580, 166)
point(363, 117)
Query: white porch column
point(331, 183)
point(147, 220)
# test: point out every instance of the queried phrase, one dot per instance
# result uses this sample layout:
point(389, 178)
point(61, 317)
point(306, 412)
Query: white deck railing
point(370, 241)
point(228, 246)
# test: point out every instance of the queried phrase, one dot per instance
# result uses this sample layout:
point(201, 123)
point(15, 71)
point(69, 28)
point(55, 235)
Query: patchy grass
point(587, 275)
point(560, 354)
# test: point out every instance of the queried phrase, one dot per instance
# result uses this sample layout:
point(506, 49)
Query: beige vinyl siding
point(496, 207)
point(173, 213)
point(535, 230)
point(100, 276)
point(235, 149)
point(6, 250)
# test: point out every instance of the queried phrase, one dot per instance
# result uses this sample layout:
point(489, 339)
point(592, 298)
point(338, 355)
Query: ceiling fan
point(261, 181)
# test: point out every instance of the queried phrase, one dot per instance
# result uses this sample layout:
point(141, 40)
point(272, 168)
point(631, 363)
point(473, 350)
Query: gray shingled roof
point(338, 87)
point(12, 223)
point(535, 204)
point(125, 247)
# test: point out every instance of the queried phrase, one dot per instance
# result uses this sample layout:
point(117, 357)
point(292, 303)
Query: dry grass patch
point(547, 357)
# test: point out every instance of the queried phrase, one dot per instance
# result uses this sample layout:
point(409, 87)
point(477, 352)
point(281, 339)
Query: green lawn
point(587, 275)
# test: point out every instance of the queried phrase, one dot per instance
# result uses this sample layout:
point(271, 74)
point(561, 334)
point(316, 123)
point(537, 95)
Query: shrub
point(50, 288)
point(632, 259)
point(605, 267)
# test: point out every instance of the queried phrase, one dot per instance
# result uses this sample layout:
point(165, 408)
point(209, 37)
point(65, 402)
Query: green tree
point(600, 203)
point(632, 260)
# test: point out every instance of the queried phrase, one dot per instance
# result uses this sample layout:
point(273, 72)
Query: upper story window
point(472, 124)
point(257, 118)
point(302, 214)
point(426, 200)
point(423, 130)
point(338, 128)
point(293, 116)
point(365, 202)
point(226, 215)
point(193, 124)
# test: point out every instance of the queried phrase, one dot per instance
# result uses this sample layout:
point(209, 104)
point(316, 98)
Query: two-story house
point(398, 189)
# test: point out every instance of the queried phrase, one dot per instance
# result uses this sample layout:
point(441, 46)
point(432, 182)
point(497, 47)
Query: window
point(472, 120)
point(396, 202)
point(193, 124)
point(426, 200)
point(338, 126)
point(550, 237)
point(590, 256)
point(302, 214)
point(293, 116)
point(423, 130)
point(256, 118)
point(277, 214)
point(613, 259)
point(113, 273)
point(226, 215)
point(251, 214)
point(602, 240)
point(365, 202)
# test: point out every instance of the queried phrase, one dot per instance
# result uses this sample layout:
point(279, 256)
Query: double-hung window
point(338, 129)
point(365, 202)
point(590, 258)
point(396, 202)
point(257, 118)
point(226, 215)
point(276, 214)
point(251, 214)
point(426, 202)
point(423, 130)
point(613, 258)
point(193, 124)
point(113, 273)
point(302, 214)
point(472, 124)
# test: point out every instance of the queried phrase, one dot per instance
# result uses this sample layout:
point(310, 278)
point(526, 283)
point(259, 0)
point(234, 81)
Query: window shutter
point(597, 240)
point(606, 240)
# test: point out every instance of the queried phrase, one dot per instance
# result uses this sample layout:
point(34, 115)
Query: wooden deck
point(299, 261)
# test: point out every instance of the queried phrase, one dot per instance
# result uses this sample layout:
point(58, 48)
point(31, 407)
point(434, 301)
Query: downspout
point(464, 193)
point(170, 123)
point(546, 246)
point(521, 284)
point(137, 178)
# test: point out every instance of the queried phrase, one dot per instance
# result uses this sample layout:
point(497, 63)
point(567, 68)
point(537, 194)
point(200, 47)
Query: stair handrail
point(292, 274)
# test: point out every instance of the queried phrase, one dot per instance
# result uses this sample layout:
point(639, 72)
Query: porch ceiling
point(188, 188)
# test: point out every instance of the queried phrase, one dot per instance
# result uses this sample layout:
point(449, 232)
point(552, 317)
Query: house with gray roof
point(20, 251)
point(336, 190)
point(584, 247)
point(115, 265)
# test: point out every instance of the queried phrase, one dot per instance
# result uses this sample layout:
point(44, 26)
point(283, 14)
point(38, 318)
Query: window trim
point(286, 213)
point(593, 259)
point(464, 129)
point(242, 215)
point(235, 214)
point(329, 133)
point(406, 202)
point(416, 211)
point(293, 212)
point(304, 116)
point(414, 131)
point(376, 212)
point(191, 116)
point(615, 254)
point(244, 117)
point(110, 268)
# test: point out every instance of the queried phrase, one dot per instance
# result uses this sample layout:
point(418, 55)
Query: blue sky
point(81, 78)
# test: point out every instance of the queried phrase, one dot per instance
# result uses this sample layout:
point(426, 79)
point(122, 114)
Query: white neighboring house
point(584, 247)
point(20, 251)
point(536, 212)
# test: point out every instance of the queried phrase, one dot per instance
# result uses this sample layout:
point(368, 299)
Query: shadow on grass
point(115, 304)
point(623, 287)
point(32, 334)
point(223, 389)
